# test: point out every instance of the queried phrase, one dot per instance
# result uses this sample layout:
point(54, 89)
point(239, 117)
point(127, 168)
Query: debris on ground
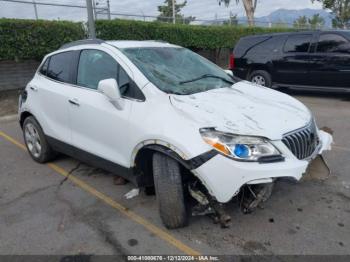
point(132, 193)
point(119, 181)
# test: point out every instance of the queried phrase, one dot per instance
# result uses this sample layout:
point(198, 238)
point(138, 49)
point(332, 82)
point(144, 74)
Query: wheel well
point(257, 67)
point(24, 115)
point(143, 163)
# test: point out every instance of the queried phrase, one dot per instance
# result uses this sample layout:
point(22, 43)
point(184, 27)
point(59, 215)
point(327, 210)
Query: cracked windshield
point(178, 70)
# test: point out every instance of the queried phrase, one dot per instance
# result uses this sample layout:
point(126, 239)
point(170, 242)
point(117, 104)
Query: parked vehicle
point(306, 59)
point(162, 116)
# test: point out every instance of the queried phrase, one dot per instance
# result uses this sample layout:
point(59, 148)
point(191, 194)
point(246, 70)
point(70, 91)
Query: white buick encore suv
point(164, 117)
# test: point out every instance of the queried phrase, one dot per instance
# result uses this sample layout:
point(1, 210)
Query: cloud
point(201, 9)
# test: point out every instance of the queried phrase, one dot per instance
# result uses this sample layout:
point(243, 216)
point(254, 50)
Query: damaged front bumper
point(223, 177)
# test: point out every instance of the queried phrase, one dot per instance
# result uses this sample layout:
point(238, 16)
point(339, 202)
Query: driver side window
point(94, 66)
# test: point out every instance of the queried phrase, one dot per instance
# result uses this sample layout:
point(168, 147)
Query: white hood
point(244, 109)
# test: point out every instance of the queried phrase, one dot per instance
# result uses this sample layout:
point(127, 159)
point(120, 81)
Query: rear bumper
point(223, 177)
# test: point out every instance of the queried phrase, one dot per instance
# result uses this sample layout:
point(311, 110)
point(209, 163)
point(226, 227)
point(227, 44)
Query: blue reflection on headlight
point(241, 151)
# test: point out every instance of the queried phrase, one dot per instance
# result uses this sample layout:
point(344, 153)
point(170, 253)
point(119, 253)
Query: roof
point(297, 32)
point(137, 44)
point(119, 43)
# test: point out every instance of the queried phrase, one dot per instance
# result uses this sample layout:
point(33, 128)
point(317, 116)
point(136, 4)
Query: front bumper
point(223, 177)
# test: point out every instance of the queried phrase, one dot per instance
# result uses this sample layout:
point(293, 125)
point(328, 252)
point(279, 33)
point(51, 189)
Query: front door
point(330, 64)
point(97, 126)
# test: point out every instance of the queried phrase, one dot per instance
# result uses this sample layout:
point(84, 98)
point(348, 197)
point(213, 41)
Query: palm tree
point(249, 6)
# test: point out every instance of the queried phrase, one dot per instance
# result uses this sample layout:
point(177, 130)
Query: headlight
point(244, 148)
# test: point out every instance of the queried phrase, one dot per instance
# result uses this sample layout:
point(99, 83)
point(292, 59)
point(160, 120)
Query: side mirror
point(229, 72)
point(110, 88)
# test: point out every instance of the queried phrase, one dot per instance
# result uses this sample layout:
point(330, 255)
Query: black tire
point(46, 153)
point(263, 76)
point(169, 191)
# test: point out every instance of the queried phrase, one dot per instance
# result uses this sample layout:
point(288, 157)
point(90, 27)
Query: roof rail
point(159, 41)
point(82, 42)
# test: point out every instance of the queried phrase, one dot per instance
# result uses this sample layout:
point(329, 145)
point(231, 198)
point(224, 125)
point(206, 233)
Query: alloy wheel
point(32, 139)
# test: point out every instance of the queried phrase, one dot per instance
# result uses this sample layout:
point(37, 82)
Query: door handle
point(34, 88)
point(74, 101)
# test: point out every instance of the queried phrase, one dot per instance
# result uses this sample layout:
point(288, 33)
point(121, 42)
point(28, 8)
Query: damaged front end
point(253, 183)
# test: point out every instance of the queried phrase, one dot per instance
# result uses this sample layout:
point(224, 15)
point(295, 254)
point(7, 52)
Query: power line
point(47, 4)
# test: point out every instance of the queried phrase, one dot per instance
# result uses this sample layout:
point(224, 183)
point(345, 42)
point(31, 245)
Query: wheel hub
point(259, 80)
point(32, 139)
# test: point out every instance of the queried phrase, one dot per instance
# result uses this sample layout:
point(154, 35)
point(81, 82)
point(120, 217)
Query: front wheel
point(261, 77)
point(169, 191)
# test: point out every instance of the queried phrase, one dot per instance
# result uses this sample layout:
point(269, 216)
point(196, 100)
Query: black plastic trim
point(190, 164)
point(271, 159)
point(96, 161)
point(83, 42)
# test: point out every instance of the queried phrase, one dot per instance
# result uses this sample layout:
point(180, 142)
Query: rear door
point(52, 86)
point(330, 63)
point(292, 67)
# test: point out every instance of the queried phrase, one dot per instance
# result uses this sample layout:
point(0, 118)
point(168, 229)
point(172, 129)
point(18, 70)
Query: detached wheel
point(261, 77)
point(35, 140)
point(169, 191)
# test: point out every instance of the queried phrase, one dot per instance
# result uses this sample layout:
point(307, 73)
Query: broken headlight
point(243, 148)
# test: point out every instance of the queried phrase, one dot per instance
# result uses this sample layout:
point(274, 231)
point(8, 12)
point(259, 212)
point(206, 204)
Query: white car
point(162, 116)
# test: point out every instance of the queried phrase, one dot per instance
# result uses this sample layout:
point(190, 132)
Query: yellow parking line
point(124, 210)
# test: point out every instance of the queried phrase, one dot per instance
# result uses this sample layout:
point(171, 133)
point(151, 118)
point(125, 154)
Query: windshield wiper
point(206, 76)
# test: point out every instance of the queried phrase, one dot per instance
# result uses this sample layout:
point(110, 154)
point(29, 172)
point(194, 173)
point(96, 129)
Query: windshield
point(178, 70)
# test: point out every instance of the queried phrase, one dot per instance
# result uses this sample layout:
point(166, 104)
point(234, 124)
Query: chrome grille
point(302, 142)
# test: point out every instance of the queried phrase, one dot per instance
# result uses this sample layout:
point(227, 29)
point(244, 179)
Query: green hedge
point(31, 39)
point(193, 36)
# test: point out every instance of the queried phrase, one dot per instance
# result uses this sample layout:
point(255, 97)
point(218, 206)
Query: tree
point(249, 7)
point(166, 13)
point(301, 22)
point(340, 9)
point(316, 21)
point(232, 20)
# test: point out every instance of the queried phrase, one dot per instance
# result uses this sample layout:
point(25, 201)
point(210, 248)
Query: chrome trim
point(303, 142)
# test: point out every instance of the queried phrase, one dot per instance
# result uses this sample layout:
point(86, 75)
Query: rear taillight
point(232, 61)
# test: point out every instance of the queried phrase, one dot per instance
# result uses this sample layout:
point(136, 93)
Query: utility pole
point(174, 15)
point(94, 9)
point(108, 10)
point(91, 22)
point(35, 10)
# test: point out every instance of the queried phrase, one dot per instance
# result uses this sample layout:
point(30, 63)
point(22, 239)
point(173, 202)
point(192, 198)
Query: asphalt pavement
point(67, 207)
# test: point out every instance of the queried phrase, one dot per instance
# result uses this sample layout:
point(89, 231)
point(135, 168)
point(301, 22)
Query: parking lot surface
point(67, 207)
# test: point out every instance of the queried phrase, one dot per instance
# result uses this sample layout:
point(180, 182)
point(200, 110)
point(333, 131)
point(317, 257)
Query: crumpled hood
point(244, 109)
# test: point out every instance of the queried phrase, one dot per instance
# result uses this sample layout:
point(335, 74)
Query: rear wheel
point(169, 191)
point(35, 140)
point(261, 77)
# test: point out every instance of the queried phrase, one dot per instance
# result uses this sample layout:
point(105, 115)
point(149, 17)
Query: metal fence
point(102, 10)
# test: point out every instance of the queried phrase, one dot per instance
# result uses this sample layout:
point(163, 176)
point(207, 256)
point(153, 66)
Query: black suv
point(308, 59)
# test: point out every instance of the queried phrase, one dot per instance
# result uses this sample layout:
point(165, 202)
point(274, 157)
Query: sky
point(201, 9)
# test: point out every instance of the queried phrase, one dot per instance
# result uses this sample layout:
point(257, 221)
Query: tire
point(261, 77)
point(36, 142)
point(169, 191)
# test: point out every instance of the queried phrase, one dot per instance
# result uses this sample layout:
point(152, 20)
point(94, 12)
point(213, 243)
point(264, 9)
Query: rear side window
point(332, 43)
point(59, 67)
point(246, 43)
point(44, 67)
point(94, 66)
point(297, 44)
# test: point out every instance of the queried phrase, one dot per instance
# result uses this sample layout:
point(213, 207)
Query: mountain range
point(285, 16)
point(289, 16)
